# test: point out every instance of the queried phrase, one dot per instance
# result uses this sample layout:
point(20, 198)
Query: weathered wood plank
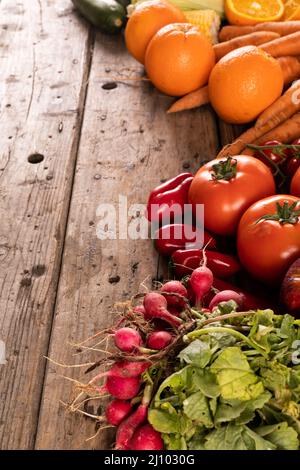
point(228, 133)
point(128, 144)
point(44, 60)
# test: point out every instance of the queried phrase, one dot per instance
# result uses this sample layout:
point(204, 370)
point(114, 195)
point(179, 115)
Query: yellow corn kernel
point(208, 21)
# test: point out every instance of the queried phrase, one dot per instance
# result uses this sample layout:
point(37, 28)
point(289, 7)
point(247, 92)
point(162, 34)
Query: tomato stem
point(280, 148)
point(285, 214)
point(225, 169)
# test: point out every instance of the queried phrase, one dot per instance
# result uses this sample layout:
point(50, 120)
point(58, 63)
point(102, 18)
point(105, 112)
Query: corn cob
point(188, 5)
point(208, 21)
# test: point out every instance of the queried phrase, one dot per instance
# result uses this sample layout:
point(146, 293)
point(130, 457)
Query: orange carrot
point(283, 108)
point(283, 28)
point(230, 32)
point(249, 151)
point(290, 67)
point(191, 100)
point(286, 132)
point(253, 39)
point(275, 115)
point(286, 45)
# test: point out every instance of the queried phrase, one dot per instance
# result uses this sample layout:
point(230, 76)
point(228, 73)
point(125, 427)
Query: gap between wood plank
point(227, 133)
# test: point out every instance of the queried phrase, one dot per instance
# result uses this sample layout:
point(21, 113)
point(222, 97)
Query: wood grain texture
point(128, 144)
point(229, 133)
point(44, 59)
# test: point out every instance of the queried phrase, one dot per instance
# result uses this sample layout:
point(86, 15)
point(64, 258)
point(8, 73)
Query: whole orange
point(179, 59)
point(244, 83)
point(147, 18)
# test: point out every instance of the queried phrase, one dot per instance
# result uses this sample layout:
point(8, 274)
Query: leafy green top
point(233, 391)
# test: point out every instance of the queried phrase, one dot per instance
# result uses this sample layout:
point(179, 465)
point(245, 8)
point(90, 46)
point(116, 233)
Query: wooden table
point(69, 142)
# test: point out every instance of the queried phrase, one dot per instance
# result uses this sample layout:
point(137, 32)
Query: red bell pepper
point(166, 202)
point(223, 266)
point(172, 237)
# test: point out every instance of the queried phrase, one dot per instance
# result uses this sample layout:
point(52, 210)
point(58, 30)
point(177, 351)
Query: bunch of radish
point(124, 379)
point(123, 383)
point(150, 333)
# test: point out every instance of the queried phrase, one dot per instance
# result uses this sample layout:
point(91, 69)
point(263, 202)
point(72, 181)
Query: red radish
point(128, 427)
point(161, 324)
point(156, 307)
point(146, 438)
point(174, 287)
point(251, 302)
point(129, 369)
point(122, 388)
point(139, 309)
point(290, 289)
point(127, 339)
point(225, 296)
point(124, 369)
point(116, 411)
point(201, 282)
point(159, 340)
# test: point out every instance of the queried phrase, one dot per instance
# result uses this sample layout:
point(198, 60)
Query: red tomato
point(292, 166)
point(295, 184)
point(295, 152)
point(227, 188)
point(270, 157)
point(293, 163)
point(269, 237)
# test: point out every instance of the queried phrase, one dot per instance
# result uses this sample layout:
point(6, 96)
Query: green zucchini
point(107, 15)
